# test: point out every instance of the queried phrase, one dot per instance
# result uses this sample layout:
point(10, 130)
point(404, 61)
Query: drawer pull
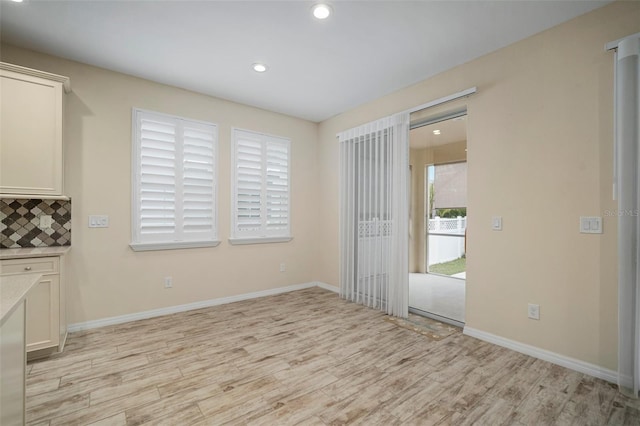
point(27, 268)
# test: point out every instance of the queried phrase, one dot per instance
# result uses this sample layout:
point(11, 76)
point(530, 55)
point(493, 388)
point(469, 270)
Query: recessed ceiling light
point(436, 132)
point(258, 67)
point(17, 1)
point(321, 11)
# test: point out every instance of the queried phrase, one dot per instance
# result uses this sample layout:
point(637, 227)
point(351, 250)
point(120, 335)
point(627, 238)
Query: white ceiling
point(317, 69)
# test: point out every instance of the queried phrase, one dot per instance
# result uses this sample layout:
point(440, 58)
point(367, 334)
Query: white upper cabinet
point(31, 111)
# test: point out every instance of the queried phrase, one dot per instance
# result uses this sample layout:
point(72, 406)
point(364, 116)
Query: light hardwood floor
point(304, 357)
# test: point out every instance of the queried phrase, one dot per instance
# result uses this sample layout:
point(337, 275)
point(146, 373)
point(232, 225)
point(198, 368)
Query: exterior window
point(174, 182)
point(261, 188)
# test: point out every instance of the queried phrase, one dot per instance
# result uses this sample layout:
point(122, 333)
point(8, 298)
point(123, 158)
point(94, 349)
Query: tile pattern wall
point(20, 223)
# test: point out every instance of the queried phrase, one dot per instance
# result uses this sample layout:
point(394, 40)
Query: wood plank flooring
point(308, 358)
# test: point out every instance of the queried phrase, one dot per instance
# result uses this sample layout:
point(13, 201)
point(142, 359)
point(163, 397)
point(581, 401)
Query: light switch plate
point(496, 223)
point(533, 311)
point(98, 221)
point(590, 225)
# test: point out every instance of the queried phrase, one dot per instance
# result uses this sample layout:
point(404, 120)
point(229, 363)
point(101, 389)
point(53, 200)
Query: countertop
point(22, 253)
point(13, 290)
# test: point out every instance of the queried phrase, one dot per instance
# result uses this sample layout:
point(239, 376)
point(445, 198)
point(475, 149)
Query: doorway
point(446, 219)
point(438, 195)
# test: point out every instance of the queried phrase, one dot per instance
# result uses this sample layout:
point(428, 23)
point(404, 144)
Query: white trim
point(87, 325)
point(327, 286)
point(615, 130)
point(614, 44)
point(552, 357)
point(467, 92)
point(35, 197)
point(66, 82)
point(173, 117)
point(258, 240)
point(135, 176)
point(172, 245)
point(63, 341)
point(257, 132)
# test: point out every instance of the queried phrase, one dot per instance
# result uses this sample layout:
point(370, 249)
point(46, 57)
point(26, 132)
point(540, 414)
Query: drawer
point(41, 265)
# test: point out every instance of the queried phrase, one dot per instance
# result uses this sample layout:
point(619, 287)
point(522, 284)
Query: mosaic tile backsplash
point(20, 223)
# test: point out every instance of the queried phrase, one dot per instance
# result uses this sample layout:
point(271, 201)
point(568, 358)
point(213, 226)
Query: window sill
point(259, 240)
point(172, 245)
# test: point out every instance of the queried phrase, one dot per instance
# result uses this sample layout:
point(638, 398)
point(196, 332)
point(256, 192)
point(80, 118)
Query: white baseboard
point(87, 325)
point(545, 355)
point(327, 286)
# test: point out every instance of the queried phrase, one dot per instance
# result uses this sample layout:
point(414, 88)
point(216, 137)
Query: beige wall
point(540, 155)
point(105, 277)
point(418, 159)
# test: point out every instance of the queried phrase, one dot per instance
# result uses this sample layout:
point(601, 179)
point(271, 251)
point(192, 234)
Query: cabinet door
point(43, 314)
point(30, 135)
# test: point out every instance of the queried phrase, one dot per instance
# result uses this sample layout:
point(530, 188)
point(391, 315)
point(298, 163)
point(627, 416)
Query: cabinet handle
point(27, 268)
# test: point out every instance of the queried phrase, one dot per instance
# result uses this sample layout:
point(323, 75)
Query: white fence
point(445, 248)
point(374, 244)
point(456, 225)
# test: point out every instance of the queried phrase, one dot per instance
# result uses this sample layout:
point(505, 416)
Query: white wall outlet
point(496, 223)
point(45, 221)
point(533, 311)
point(283, 267)
point(168, 282)
point(98, 221)
point(590, 225)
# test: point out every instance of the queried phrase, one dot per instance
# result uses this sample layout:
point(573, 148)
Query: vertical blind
point(174, 183)
point(261, 185)
point(627, 112)
point(374, 214)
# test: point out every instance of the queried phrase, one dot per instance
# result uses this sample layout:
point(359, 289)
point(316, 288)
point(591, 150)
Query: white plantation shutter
point(157, 186)
point(261, 193)
point(277, 187)
point(198, 180)
point(249, 173)
point(174, 180)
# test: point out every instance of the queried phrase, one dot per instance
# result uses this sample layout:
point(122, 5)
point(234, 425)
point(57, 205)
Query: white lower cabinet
point(46, 327)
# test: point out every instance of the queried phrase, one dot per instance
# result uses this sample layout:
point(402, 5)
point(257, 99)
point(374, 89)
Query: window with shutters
point(261, 188)
point(174, 182)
